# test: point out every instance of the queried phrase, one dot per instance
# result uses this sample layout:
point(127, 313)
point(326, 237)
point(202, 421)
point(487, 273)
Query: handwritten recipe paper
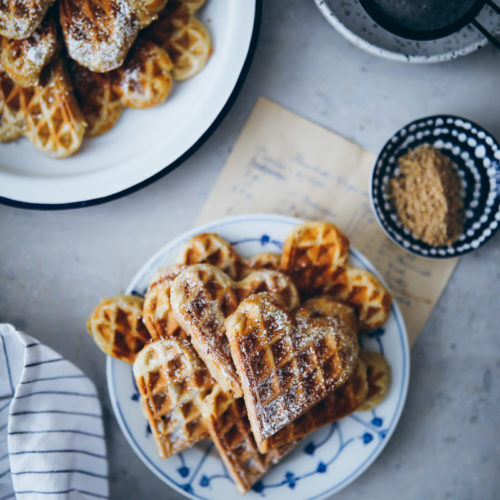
point(285, 164)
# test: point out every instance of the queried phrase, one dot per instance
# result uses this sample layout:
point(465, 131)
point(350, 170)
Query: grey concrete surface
point(55, 266)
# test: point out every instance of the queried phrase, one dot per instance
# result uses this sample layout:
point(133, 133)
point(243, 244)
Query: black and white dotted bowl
point(477, 156)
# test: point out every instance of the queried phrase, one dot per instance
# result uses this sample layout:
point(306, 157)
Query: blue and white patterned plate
point(477, 156)
point(324, 462)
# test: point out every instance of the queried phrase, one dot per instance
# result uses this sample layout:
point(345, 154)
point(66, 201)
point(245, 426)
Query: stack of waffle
point(116, 54)
point(254, 353)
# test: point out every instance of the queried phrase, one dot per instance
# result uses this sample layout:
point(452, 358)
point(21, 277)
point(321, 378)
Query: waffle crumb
point(426, 196)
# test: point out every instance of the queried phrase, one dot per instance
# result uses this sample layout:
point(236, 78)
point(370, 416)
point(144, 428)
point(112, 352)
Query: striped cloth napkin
point(51, 432)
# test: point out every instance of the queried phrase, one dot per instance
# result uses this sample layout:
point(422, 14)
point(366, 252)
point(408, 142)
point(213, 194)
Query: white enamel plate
point(144, 143)
point(324, 462)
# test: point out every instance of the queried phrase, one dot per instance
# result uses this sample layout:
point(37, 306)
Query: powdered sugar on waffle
point(198, 297)
point(286, 363)
point(16, 26)
point(213, 320)
point(130, 78)
point(278, 414)
point(100, 50)
point(40, 48)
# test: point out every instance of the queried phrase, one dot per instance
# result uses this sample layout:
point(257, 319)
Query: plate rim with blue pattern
point(324, 462)
point(477, 155)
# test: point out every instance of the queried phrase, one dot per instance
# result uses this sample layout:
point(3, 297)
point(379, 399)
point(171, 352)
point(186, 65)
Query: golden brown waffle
point(23, 60)
point(202, 296)
point(47, 113)
point(264, 260)
point(315, 257)
point(361, 290)
point(173, 17)
point(117, 327)
point(12, 121)
point(157, 308)
point(313, 253)
point(266, 280)
point(229, 428)
point(54, 123)
point(210, 248)
point(336, 405)
point(190, 48)
point(145, 78)
point(379, 378)
point(143, 81)
point(98, 99)
point(324, 305)
point(286, 363)
point(185, 38)
point(99, 33)
point(20, 18)
point(173, 382)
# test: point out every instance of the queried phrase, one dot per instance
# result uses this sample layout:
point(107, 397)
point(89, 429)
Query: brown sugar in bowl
point(476, 154)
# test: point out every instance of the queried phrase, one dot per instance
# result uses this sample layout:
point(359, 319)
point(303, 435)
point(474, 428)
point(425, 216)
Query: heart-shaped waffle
point(361, 290)
point(364, 390)
point(190, 47)
point(172, 382)
point(184, 37)
point(210, 248)
point(99, 33)
point(286, 362)
point(144, 80)
point(202, 296)
point(313, 254)
point(117, 328)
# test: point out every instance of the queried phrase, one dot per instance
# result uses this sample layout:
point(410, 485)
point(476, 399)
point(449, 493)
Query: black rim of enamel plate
point(385, 21)
point(398, 145)
point(169, 168)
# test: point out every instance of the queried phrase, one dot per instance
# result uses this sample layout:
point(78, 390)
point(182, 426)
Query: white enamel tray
point(144, 144)
point(324, 462)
